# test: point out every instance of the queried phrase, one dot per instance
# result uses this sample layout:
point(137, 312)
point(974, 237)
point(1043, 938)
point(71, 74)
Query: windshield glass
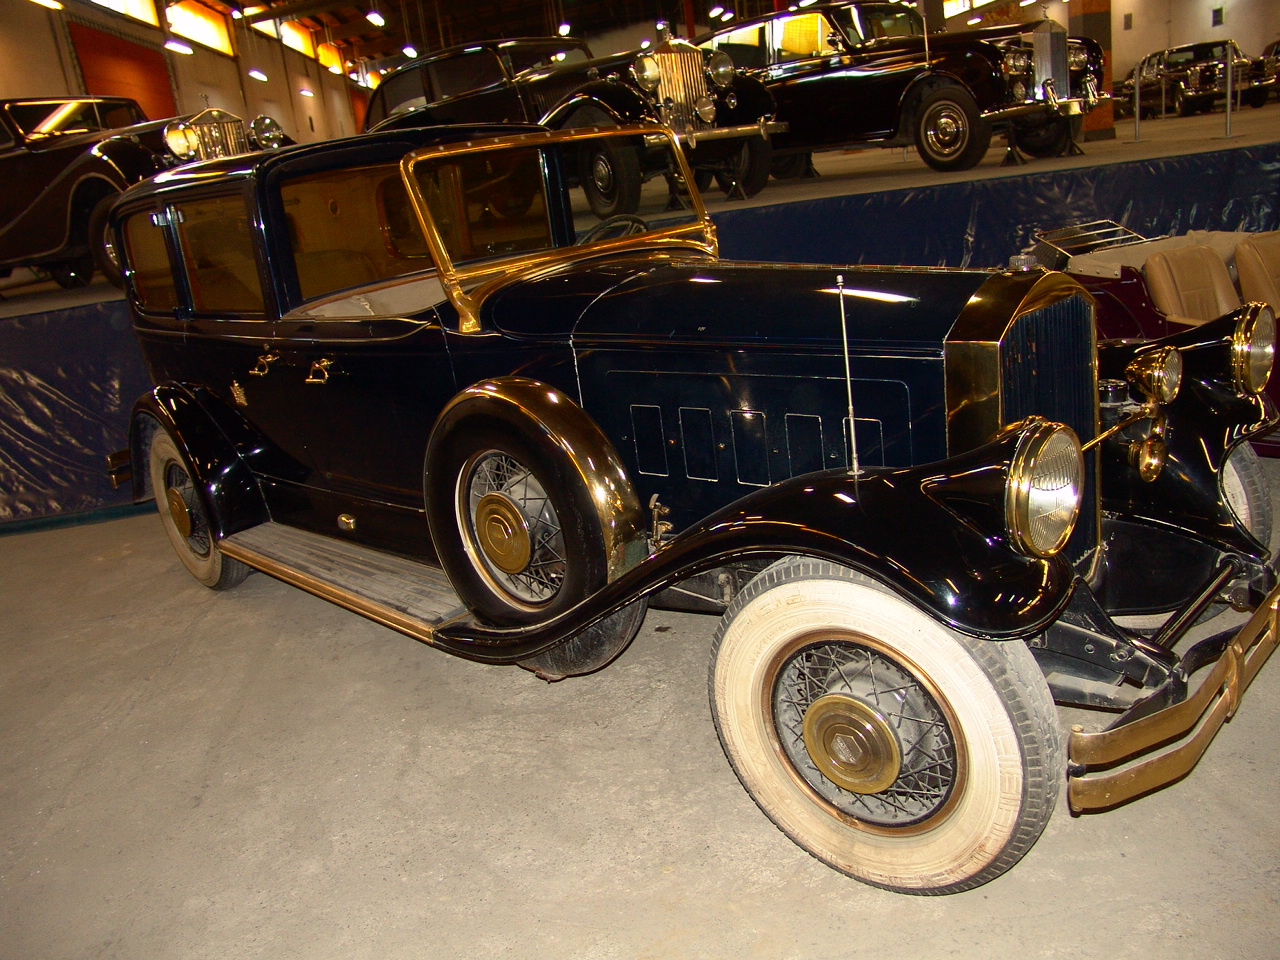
point(49, 118)
point(532, 196)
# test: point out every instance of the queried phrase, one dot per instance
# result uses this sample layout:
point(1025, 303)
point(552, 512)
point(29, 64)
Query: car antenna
point(854, 470)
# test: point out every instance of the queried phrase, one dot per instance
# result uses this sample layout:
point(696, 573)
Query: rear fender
point(226, 486)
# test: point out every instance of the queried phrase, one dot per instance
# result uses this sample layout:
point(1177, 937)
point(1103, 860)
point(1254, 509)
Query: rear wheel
point(184, 519)
point(895, 750)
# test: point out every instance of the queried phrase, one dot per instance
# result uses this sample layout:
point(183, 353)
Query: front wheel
point(950, 132)
point(899, 752)
point(101, 242)
point(184, 519)
point(747, 171)
point(1046, 139)
point(611, 178)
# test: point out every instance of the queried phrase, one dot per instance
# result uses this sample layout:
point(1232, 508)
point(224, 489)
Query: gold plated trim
point(1157, 373)
point(467, 287)
point(1146, 746)
point(1241, 348)
point(851, 744)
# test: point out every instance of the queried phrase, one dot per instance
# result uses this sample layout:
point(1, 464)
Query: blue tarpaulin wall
point(68, 377)
point(982, 223)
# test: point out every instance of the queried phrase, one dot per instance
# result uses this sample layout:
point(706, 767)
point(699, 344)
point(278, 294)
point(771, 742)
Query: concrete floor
point(258, 774)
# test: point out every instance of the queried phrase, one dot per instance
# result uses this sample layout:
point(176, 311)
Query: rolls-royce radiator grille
point(220, 139)
point(1048, 368)
point(683, 83)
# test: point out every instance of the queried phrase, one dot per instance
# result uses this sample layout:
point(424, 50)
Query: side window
point(217, 251)
point(454, 76)
point(796, 38)
point(745, 47)
point(397, 95)
point(351, 226)
point(150, 272)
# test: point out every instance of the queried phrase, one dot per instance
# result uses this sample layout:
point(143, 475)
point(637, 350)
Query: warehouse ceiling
point(433, 24)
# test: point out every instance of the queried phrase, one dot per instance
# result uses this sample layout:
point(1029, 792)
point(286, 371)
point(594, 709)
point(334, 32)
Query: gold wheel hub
point(178, 512)
point(851, 744)
point(503, 533)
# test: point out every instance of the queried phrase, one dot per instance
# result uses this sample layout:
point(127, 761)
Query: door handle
point(319, 371)
point(264, 364)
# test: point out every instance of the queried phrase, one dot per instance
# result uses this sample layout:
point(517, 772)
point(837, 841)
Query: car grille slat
point(1048, 369)
point(221, 139)
point(683, 84)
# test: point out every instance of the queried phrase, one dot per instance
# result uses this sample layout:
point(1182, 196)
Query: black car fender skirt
point(936, 543)
point(227, 488)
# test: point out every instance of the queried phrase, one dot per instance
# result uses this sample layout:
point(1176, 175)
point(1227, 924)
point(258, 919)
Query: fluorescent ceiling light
point(177, 46)
point(258, 75)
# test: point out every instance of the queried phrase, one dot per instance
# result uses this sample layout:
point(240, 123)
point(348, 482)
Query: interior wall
point(32, 61)
point(112, 66)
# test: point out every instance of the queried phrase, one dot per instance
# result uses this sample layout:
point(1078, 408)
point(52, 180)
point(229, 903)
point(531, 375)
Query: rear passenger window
point(149, 270)
point(217, 250)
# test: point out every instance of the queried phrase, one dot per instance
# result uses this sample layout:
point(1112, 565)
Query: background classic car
point(723, 119)
point(413, 363)
point(64, 161)
point(1193, 78)
point(852, 73)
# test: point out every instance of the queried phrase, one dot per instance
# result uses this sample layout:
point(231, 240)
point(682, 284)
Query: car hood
point(672, 301)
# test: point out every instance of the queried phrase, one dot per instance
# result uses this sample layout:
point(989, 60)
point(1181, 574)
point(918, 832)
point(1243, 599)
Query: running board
point(406, 595)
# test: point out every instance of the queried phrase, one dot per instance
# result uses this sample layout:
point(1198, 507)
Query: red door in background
point(115, 67)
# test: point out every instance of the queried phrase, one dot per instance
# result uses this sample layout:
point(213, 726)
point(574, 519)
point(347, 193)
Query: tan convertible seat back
point(1190, 284)
point(1258, 268)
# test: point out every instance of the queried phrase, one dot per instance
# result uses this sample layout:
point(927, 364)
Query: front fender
point(601, 101)
point(928, 532)
point(226, 486)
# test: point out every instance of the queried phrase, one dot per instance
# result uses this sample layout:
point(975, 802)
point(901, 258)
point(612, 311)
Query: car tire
point(1184, 105)
point(893, 749)
point(1044, 140)
point(791, 165)
point(72, 274)
point(611, 178)
point(748, 169)
point(513, 525)
point(101, 244)
point(950, 133)
point(184, 519)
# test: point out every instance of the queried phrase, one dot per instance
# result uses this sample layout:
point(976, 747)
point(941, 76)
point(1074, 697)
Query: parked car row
point(1193, 78)
point(419, 370)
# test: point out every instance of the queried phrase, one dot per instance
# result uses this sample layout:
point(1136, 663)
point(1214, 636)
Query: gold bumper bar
point(1191, 723)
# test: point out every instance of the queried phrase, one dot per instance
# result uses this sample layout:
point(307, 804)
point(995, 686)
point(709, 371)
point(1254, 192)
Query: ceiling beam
point(291, 11)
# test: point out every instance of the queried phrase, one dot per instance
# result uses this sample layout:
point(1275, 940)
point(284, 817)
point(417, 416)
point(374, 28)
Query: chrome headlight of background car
point(265, 133)
point(1157, 373)
point(1044, 489)
point(1077, 56)
point(182, 139)
point(1253, 349)
point(646, 73)
point(1017, 60)
point(720, 69)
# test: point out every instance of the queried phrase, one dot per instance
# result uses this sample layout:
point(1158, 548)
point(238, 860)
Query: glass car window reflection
point(217, 251)
point(351, 227)
point(150, 272)
point(796, 38)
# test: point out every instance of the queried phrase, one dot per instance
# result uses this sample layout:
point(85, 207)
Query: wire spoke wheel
point(890, 747)
point(512, 527)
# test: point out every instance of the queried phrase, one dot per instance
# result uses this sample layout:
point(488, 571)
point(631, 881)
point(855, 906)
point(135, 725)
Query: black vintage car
point(853, 73)
point(413, 372)
point(64, 161)
point(1193, 79)
point(723, 119)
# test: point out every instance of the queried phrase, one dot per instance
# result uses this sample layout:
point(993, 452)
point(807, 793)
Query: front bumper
point(1053, 104)
point(764, 129)
point(1137, 756)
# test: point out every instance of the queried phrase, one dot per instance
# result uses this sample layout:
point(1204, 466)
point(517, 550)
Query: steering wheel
point(626, 225)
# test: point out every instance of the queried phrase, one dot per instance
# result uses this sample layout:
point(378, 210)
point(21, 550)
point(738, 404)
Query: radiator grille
point(1048, 368)
point(222, 138)
point(684, 82)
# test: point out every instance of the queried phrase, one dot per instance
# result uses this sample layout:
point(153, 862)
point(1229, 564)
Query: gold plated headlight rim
point(1044, 489)
point(1253, 347)
point(1157, 373)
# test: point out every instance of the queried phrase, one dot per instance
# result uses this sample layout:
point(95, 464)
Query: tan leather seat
point(1258, 268)
point(1190, 284)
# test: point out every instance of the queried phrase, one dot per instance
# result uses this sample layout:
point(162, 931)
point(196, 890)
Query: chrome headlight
point(1077, 56)
point(705, 109)
point(1253, 348)
point(265, 133)
point(182, 139)
point(1044, 489)
point(720, 69)
point(1017, 60)
point(646, 73)
point(1157, 373)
